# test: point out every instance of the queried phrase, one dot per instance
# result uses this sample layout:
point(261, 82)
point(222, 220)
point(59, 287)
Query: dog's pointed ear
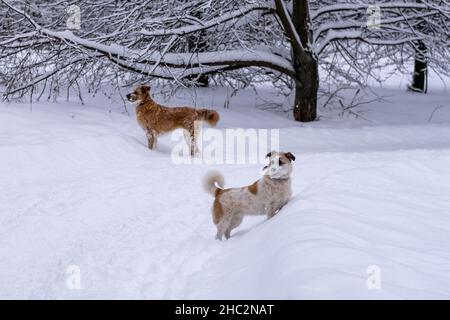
point(270, 154)
point(146, 88)
point(290, 156)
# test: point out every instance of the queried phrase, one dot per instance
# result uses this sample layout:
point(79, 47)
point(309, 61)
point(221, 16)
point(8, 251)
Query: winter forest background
point(235, 43)
point(81, 194)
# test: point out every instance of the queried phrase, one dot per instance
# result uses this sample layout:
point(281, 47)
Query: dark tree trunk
point(306, 86)
point(305, 65)
point(420, 75)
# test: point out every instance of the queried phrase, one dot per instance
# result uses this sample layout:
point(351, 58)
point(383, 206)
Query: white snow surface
point(79, 187)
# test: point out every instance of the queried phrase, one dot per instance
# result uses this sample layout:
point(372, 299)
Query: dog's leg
point(235, 222)
point(271, 211)
point(223, 225)
point(188, 139)
point(271, 214)
point(151, 137)
point(227, 233)
point(197, 128)
point(189, 136)
point(194, 149)
point(275, 210)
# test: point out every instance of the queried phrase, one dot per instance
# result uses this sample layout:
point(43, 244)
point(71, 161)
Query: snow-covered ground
point(79, 187)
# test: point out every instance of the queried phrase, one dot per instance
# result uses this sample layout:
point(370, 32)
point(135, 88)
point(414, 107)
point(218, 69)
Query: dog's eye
point(280, 163)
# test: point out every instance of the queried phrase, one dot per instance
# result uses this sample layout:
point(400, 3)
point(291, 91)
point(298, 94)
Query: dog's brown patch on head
point(290, 156)
point(253, 188)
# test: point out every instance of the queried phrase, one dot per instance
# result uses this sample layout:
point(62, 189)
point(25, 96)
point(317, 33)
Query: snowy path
point(78, 187)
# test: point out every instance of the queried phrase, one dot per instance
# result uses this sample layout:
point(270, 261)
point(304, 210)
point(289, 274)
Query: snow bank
point(79, 187)
point(351, 211)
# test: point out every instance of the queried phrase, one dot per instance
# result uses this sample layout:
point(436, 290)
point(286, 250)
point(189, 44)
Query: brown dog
point(156, 119)
point(265, 196)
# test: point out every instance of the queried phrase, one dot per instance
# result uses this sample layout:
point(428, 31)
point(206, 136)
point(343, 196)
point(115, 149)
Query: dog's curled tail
point(213, 183)
point(210, 116)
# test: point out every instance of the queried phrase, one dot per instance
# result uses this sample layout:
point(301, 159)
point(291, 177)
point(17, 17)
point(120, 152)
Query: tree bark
point(305, 65)
point(306, 87)
point(420, 75)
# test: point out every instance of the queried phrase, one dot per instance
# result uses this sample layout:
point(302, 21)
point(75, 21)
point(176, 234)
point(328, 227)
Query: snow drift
point(79, 187)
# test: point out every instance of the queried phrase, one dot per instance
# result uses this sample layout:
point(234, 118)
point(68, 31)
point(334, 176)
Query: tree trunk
point(420, 75)
point(306, 87)
point(306, 66)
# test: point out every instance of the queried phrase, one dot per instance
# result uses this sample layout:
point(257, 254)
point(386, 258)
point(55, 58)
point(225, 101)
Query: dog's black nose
point(128, 96)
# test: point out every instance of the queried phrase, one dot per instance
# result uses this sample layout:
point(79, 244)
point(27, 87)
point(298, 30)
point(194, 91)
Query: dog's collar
point(281, 178)
point(269, 177)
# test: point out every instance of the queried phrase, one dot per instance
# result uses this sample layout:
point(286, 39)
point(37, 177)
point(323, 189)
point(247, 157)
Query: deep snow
point(79, 187)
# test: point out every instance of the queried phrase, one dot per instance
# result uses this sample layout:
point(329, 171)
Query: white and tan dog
point(265, 196)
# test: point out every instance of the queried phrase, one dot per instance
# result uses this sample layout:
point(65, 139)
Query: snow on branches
point(184, 39)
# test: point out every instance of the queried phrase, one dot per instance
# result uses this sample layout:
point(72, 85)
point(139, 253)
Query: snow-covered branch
point(203, 25)
point(363, 6)
point(237, 41)
point(156, 62)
